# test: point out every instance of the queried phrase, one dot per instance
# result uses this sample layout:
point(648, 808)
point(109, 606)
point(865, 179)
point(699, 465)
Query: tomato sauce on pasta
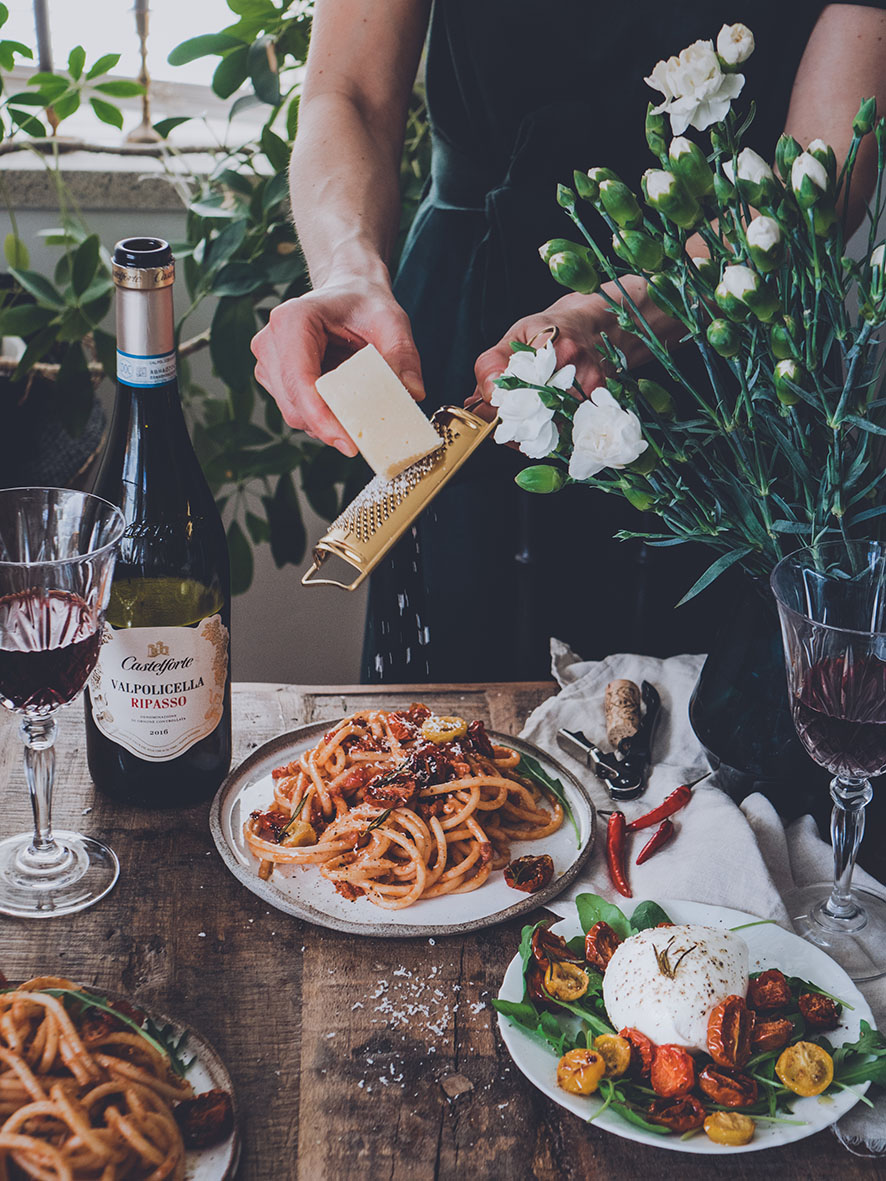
point(400, 805)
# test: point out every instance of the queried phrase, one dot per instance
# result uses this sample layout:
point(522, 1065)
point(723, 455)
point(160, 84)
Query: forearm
point(344, 183)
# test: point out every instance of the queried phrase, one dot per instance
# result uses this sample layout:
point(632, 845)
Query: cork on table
point(359, 1058)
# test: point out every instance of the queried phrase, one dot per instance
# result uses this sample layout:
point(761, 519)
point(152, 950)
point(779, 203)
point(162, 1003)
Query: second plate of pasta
point(399, 823)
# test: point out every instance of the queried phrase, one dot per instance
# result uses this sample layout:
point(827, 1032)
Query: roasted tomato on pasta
point(398, 806)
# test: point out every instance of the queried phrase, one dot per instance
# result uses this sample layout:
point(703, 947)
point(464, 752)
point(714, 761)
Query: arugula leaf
point(646, 915)
point(863, 1060)
point(633, 1117)
point(165, 1035)
point(594, 909)
point(797, 985)
point(542, 1026)
point(532, 769)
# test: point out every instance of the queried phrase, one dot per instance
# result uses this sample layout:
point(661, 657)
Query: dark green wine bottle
point(158, 706)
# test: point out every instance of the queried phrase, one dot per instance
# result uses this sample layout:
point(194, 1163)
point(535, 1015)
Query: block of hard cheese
point(378, 412)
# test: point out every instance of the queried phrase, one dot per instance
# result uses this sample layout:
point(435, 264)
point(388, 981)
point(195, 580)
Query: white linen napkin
point(742, 857)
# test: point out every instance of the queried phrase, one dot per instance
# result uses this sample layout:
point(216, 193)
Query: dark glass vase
point(739, 709)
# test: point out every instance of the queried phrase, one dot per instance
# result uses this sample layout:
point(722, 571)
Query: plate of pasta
point(92, 1086)
point(401, 822)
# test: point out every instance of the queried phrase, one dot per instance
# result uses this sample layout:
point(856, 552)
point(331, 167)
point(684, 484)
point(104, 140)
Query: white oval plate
point(770, 947)
point(307, 895)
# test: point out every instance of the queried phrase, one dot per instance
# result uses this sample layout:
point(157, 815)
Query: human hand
point(310, 335)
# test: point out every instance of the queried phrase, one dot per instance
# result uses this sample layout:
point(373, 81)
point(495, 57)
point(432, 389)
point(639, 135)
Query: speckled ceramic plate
point(307, 895)
point(769, 946)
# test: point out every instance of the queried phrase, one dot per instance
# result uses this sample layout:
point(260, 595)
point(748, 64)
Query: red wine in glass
point(49, 642)
point(840, 714)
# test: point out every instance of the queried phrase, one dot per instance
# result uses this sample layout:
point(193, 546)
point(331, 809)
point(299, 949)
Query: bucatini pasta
point(86, 1096)
point(399, 806)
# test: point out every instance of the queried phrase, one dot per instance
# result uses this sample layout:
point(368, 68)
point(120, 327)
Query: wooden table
point(352, 1058)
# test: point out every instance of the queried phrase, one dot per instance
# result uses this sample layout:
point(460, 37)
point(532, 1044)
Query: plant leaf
point(16, 252)
point(232, 329)
point(40, 287)
point(164, 126)
point(102, 65)
point(230, 73)
point(648, 914)
point(594, 909)
point(120, 88)
point(264, 69)
point(84, 264)
point(240, 552)
point(106, 112)
point(76, 61)
point(533, 769)
point(203, 46)
point(288, 536)
point(715, 570)
point(237, 278)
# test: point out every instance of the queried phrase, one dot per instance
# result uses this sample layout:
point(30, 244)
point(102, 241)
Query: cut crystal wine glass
point(57, 552)
point(832, 604)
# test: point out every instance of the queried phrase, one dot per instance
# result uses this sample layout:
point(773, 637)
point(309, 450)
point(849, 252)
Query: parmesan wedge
point(378, 412)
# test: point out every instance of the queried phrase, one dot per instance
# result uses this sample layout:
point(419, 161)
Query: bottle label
point(145, 371)
point(157, 690)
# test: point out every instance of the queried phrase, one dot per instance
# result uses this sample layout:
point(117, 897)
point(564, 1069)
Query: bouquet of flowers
point(776, 446)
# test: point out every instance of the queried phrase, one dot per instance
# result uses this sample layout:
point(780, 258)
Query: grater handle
point(308, 578)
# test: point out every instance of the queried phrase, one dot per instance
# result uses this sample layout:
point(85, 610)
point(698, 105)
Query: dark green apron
point(520, 94)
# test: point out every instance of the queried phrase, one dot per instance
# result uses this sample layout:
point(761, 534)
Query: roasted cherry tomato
point(728, 1087)
point(548, 948)
point(440, 730)
point(681, 1114)
point(729, 1032)
point(642, 1051)
point(673, 1071)
point(566, 982)
point(530, 873)
point(805, 1068)
point(771, 1035)
point(206, 1119)
point(820, 1011)
point(728, 1127)
point(579, 1072)
point(600, 944)
point(770, 990)
point(299, 832)
point(616, 1053)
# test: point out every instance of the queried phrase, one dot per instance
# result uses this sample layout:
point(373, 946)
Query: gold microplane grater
point(384, 510)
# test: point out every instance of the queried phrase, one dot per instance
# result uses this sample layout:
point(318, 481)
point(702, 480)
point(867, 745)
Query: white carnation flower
point(764, 233)
point(878, 257)
point(525, 420)
point(696, 91)
point(806, 165)
point(539, 368)
point(751, 167)
point(739, 282)
point(735, 44)
point(603, 435)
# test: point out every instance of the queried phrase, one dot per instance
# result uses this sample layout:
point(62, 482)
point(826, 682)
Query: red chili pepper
point(670, 804)
point(660, 837)
point(615, 853)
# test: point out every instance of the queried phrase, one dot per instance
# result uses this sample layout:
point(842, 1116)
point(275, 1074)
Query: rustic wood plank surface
point(357, 1058)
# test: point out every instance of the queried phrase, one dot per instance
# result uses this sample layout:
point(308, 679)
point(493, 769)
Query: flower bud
point(724, 190)
point(558, 245)
point(737, 284)
point(574, 271)
point(735, 44)
point(878, 272)
point(668, 195)
point(584, 186)
point(824, 219)
point(788, 373)
point(621, 204)
point(786, 152)
point(723, 337)
point(655, 131)
point(657, 397)
point(639, 249)
point(708, 269)
point(689, 164)
point(824, 154)
point(809, 180)
point(719, 139)
point(642, 498)
point(596, 176)
point(753, 177)
point(565, 197)
point(665, 294)
point(863, 123)
point(765, 243)
point(783, 337)
point(673, 247)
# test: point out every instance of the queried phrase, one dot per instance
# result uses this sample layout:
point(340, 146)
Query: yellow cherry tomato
point(729, 1127)
point(299, 832)
point(616, 1053)
point(579, 1072)
point(566, 982)
point(805, 1068)
point(438, 730)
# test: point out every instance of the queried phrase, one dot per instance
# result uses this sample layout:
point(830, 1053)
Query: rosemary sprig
point(663, 960)
point(295, 815)
point(379, 820)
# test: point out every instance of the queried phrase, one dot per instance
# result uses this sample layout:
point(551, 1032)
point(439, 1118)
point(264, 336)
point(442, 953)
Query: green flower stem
point(849, 384)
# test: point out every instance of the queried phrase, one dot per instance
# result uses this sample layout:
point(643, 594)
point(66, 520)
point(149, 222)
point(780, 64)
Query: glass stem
point(39, 738)
point(850, 797)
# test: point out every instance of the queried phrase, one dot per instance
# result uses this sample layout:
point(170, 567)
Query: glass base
point(857, 942)
point(75, 875)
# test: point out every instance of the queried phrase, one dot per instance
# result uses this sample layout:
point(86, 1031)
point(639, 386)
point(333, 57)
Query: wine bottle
point(158, 710)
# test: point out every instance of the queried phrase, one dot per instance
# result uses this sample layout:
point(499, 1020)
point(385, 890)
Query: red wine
point(840, 714)
point(49, 644)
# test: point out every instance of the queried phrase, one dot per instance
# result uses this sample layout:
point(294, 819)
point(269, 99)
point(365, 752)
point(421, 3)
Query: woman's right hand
point(307, 336)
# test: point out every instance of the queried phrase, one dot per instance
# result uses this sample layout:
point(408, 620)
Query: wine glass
point(832, 603)
point(57, 552)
